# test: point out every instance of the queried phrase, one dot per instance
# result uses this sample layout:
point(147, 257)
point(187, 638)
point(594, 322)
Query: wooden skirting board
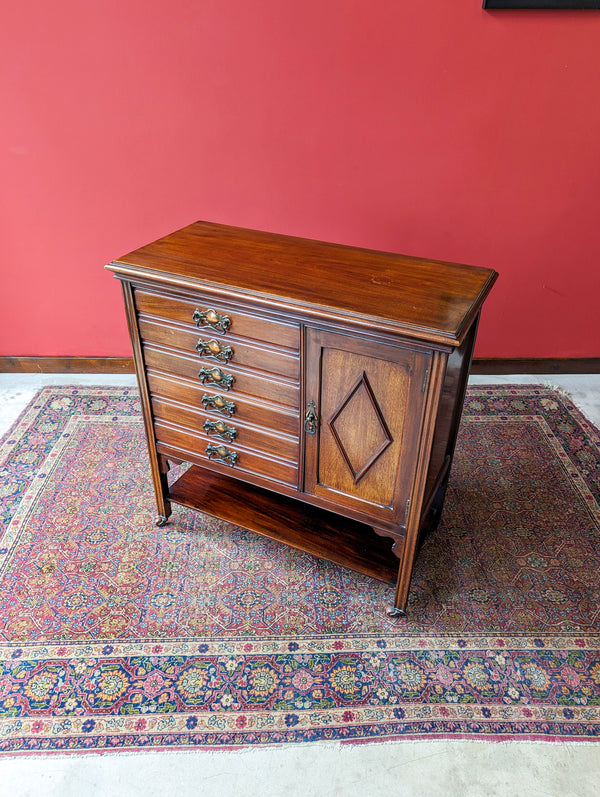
point(124, 365)
point(541, 365)
point(66, 365)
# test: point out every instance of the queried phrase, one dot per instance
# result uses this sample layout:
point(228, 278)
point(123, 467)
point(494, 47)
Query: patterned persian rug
point(118, 635)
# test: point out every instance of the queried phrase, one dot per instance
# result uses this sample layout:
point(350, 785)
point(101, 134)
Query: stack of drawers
point(224, 384)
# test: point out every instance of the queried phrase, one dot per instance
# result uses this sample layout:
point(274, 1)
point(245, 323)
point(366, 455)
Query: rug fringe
point(338, 747)
point(558, 389)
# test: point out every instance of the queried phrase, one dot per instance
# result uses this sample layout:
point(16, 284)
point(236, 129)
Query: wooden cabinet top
point(430, 300)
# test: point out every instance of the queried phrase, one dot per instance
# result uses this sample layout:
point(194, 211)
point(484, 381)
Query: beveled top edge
point(429, 299)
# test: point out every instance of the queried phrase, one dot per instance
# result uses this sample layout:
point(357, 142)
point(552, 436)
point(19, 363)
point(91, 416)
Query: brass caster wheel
point(394, 611)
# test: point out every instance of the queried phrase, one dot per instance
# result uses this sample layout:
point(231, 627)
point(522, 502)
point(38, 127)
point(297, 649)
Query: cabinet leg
point(407, 561)
point(400, 599)
point(161, 489)
point(394, 611)
point(412, 545)
point(399, 549)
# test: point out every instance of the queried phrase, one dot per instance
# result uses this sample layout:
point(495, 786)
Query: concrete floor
point(451, 769)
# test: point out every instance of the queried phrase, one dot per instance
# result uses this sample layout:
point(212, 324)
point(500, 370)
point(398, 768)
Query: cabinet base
point(316, 531)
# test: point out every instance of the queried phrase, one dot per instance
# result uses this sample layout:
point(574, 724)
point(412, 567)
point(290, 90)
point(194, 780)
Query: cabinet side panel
point(158, 473)
point(449, 414)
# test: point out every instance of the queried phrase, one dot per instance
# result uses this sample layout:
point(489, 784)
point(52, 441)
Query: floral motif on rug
point(116, 634)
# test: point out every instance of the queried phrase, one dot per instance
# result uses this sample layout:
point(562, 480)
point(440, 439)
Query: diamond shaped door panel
point(369, 402)
point(362, 444)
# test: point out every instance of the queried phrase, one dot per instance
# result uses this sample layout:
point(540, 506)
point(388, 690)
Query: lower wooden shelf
point(307, 528)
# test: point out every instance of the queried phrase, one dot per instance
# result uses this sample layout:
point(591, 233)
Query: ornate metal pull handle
point(212, 348)
point(221, 429)
point(217, 376)
point(218, 404)
point(222, 454)
point(310, 419)
point(212, 319)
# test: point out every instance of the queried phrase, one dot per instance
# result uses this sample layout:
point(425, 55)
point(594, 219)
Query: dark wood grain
point(307, 528)
point(428, 299)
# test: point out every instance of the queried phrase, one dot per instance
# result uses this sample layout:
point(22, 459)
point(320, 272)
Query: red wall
point(428, 127)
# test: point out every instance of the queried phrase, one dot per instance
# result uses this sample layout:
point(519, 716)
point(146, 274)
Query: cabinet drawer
point(243, 323)
point(231, 350)
point(268, 442)
point(243, 382)
point(193, 447)
point(269, 415)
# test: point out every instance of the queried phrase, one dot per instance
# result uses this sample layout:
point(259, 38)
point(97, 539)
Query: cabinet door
point(368, 398)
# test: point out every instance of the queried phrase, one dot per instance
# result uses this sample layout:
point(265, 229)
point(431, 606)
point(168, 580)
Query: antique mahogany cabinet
point(314, 389)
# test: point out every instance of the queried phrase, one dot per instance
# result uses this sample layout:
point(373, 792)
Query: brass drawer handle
point(212, 319)
point(212, 348)
point(222, 454)
point(217, 376)
point(221, 429)
point(218, 404)
point(310, 419)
